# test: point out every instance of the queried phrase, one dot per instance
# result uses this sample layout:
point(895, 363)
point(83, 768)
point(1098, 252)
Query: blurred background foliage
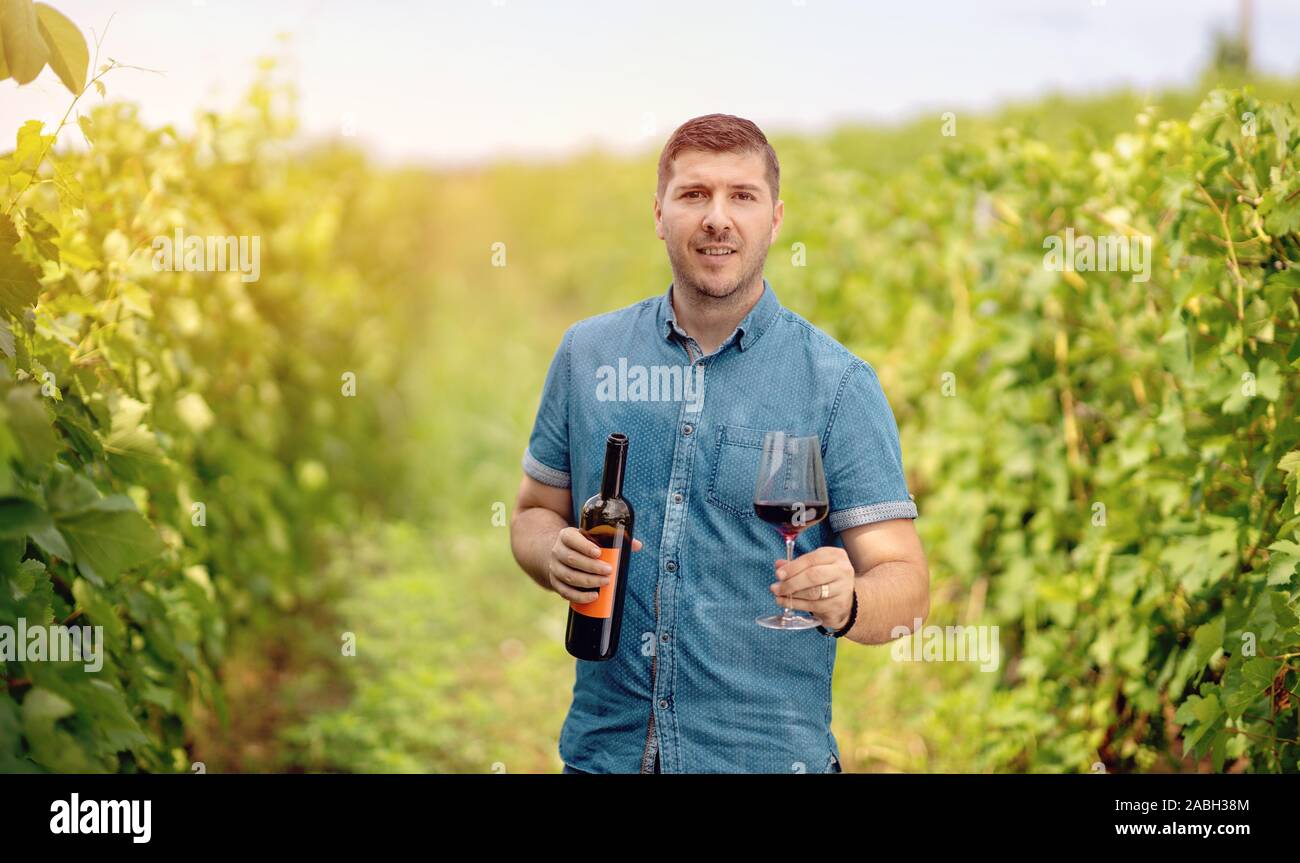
point(380, 517)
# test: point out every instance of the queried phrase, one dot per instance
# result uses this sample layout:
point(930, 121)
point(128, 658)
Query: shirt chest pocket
point(737, 452)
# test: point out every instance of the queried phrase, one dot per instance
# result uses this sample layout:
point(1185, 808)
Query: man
point(697, 685)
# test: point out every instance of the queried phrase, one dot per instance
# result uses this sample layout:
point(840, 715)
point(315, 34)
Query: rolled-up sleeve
point(864, 461)
point(546, 459)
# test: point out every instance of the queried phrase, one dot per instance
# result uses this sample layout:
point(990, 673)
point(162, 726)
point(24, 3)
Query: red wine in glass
point(791, 518)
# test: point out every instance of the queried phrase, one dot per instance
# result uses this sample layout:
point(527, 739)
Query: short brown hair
point(719, 133)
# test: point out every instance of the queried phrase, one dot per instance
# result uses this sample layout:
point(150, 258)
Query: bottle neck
point(611, 483)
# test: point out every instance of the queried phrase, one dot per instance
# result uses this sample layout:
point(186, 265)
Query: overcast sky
point(466, 80)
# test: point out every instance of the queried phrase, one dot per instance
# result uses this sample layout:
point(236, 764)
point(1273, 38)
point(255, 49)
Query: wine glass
point(791, 495)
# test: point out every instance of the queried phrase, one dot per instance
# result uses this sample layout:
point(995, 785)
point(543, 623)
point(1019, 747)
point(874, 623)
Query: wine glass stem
point(788, 613)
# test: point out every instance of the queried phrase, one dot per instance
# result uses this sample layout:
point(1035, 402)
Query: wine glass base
point(795, 621)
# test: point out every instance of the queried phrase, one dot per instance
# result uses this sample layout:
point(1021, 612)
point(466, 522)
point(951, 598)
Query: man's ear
point(658, 215)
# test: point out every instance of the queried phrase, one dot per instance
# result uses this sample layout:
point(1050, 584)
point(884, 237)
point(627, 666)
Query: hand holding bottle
point(576, 570)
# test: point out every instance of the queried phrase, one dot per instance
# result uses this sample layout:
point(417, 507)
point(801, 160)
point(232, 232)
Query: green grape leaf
point(1273, 621)
point(1281, 208)
point(31, 145)
point(69, 492)
point(1290, 463)
point(1198, 715)
point(52, 542)
point(42, 234)
point(1245, 682)
point(68, 55)
point(99, 609)
point(19, 286)
point(30, 423)
point(11, 758)
point(30, 595)
point(1219, 749)
point(1269, 380)
point(19, 517)
point(131, 446)
point(108, 538)
point(52, 746)
point(20, 36)
point(1284, 555)
point(1208, 640)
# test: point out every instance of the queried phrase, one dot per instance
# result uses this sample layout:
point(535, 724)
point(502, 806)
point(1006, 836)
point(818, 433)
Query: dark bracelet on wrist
point(853, 615)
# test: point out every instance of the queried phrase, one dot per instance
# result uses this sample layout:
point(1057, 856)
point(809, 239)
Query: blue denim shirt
point(695, 680)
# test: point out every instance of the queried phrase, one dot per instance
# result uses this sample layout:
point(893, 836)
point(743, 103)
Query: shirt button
point(677, 498)
point(686, 429)
point(664, 638)
point(663, 704)
point(671, 566)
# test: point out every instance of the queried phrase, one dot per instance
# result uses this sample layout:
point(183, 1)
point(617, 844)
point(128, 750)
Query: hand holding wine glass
point(799, 584)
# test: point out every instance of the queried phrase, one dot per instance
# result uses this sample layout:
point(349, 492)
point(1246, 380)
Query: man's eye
point(688, 194)
point(747, 195)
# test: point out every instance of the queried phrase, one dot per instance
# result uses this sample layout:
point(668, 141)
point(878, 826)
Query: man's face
point(718, 200)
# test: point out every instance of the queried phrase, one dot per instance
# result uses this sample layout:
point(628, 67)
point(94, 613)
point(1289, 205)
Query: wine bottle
point(606, 520)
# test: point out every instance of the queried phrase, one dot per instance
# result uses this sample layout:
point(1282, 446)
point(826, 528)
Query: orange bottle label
point(603, 604)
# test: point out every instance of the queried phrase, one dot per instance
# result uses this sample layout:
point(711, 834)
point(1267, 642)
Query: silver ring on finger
point(826, 591)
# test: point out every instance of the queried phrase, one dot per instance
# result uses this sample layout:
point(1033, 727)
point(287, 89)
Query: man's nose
point(717, 218)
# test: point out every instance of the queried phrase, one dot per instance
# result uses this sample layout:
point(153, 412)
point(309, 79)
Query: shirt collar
point(747, 332)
